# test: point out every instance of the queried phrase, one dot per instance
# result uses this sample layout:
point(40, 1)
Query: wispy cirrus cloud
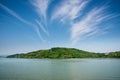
point(40, 7)
point(89, 25)
point(69, 9)
point(42, 27)
point(14, 14)
point(11, 12)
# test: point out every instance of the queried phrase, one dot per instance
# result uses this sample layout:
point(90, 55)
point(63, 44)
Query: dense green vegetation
point(114, 55)
point(65, 53)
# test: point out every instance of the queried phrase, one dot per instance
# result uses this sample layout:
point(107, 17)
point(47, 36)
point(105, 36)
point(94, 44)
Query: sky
point(30, 25)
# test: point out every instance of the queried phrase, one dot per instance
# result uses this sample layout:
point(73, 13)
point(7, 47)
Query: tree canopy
point(65, 53)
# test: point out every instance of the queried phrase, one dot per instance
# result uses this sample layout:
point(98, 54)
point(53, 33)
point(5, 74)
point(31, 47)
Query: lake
point(59, 69)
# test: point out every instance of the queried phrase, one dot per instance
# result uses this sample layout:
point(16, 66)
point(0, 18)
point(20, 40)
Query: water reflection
point(59, 69)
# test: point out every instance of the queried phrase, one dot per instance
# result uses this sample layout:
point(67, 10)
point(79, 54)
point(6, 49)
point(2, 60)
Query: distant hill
point(65, 53)
point(2, 56)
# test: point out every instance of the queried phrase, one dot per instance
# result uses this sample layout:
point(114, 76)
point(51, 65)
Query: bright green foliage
point(65, 53)
point(114, 55)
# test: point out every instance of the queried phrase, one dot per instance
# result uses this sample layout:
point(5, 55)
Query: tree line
point(65, 53)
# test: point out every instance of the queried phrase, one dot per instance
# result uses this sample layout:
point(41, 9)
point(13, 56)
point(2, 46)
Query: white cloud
point(88, 26)
point(69, 9)
point(14, 14)
point(42, 27)
point(40, 6)
point(38, 33)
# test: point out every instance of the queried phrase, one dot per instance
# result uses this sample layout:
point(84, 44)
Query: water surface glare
point(59, 69)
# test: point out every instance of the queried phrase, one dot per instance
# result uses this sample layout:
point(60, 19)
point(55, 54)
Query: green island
point(59, 53)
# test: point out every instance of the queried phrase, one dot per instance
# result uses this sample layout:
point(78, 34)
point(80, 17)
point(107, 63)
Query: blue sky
point(29, 25)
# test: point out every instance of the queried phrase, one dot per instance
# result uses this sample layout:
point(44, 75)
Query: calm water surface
point(59, 69)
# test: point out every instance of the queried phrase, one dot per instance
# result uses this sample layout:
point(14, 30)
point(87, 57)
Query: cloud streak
point(88, 25)
point(11, 12)
point(69, 9)
point(14, 14)
point(42, 27)
point(41, 7)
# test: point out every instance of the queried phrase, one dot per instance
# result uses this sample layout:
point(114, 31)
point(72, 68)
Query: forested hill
point(65, 53)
